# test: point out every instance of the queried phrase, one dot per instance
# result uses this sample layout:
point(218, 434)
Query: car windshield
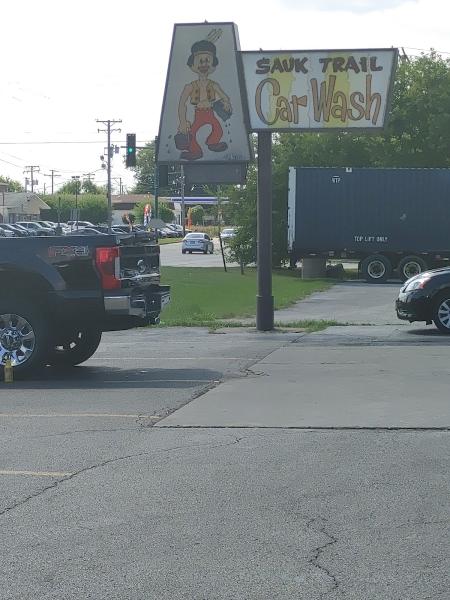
point(198, 236)
point(228, 231)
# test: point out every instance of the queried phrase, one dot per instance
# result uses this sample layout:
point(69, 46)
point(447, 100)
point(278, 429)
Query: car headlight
point(417, 283)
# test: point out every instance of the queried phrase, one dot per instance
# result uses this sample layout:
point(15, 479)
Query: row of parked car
point(46, 228)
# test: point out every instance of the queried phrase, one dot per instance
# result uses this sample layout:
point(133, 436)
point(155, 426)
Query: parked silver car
point(35, 228)
point(197, 242)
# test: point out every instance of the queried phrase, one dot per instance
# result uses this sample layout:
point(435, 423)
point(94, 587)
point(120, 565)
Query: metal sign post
point(264, 299)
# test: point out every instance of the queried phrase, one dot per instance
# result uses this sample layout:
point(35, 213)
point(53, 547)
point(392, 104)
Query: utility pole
point(52, 174)
point(119, 179)
point(32, 169)
point(76, 179)
point(109, 130)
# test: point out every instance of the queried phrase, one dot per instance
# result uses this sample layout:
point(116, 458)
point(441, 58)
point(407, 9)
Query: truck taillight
point(108, 264)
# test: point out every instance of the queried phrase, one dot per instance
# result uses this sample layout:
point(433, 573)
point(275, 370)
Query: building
point(20, 206)
point(126, 203)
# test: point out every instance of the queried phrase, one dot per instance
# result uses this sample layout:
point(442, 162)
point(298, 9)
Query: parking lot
point(182, 464)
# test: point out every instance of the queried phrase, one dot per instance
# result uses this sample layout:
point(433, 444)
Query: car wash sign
point(319, 89)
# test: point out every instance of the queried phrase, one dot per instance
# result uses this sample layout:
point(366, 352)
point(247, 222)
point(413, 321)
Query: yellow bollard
point(8, 371)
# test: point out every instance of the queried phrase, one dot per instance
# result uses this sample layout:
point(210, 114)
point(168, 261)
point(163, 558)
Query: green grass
point(169, 240)
point(207, 296)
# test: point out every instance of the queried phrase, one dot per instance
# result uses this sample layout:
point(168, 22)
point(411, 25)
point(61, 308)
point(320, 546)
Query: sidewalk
point(354, 302)
point(344, 377)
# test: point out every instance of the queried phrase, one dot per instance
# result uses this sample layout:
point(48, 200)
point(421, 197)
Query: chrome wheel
point(443, 313)
point(17, 339)
point(376, 269)
point(411, 269)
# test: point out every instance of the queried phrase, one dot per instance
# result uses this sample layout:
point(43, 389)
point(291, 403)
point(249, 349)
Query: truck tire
point(76, 350)
point(441, 312)
point(410, 266)
point(376, 268)
point(24, 336)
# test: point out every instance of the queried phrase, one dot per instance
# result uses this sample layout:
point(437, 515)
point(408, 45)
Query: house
point(20, 206)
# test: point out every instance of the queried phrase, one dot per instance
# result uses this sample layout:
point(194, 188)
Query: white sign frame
point(203, 117)
point(319, 90)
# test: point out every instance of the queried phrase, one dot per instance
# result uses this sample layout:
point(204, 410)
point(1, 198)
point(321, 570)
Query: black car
point(426, 297)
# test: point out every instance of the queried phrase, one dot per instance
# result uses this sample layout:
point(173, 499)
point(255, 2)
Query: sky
point(65, 64)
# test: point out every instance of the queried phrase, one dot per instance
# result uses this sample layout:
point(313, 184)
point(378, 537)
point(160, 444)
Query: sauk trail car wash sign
point(216, 95)
point(318, 89)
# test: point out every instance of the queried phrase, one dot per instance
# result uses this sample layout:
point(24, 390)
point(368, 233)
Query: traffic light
point(131, 150)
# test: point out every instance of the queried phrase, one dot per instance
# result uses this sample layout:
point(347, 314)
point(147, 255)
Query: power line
point(10, 163)
point(426, 50)
point(65, 142)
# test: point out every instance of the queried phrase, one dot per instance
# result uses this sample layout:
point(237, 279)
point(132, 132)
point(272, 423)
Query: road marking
point(150, 381)
point(57, 415)
point(53, 474)
point(138, 358)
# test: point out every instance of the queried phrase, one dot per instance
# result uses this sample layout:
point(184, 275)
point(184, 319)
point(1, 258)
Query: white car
point(73, 224)
point(227, 234)
point(197, 242)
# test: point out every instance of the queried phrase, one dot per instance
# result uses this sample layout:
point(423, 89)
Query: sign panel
point(217, 174)
point(202, 118)
point(319, 89)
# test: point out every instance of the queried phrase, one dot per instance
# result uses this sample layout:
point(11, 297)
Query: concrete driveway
point(354, 302)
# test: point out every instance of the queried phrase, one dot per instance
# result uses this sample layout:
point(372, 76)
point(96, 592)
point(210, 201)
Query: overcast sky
point(66, 64)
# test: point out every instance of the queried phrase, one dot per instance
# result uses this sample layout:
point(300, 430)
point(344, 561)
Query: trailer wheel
point(376, 268)
point(410, 266)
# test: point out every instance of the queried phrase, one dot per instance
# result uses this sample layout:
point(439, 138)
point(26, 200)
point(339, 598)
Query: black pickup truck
point(58, 294)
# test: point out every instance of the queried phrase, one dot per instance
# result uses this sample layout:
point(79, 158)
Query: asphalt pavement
point(171, 256)
point(184, 464)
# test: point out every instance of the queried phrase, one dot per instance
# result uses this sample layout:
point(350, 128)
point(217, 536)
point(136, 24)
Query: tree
point(84, 186)
point(165, 213)
point(89, 187)
point(13, 186)
point(92, 207)
point(197, 214)
point(417, 135)
point(144, 171)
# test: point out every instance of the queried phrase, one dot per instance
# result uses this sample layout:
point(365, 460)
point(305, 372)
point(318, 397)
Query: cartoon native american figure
point(207, 98)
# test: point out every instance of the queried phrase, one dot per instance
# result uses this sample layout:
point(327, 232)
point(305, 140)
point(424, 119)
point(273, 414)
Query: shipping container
point(390, 220)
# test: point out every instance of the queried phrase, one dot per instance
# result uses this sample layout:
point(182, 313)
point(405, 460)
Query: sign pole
point(264, 299)
point(183, 208)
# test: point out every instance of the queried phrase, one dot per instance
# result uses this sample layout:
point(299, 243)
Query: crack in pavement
point(64, 433)
point(319, 550)
point(58, 482)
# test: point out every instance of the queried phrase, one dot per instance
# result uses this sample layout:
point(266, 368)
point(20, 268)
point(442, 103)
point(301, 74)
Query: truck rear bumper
point(140, 305)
